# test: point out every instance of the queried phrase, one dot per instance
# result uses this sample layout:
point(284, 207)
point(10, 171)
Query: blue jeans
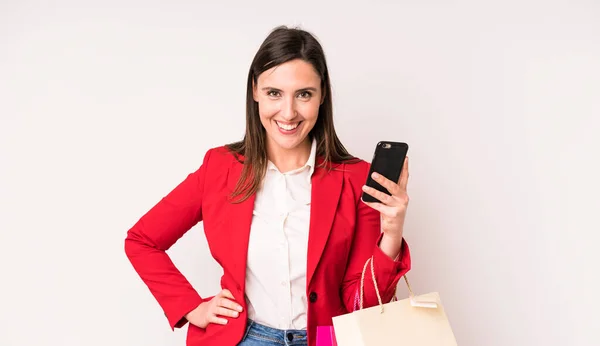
point(260, 335)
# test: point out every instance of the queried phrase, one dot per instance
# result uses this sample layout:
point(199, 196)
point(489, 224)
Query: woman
point(282, 215)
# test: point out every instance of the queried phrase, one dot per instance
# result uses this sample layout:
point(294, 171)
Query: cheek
point(267, 110)
point(310, 111)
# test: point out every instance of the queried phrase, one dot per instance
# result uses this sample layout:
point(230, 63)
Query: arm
point(369, 241)
point(155, 232)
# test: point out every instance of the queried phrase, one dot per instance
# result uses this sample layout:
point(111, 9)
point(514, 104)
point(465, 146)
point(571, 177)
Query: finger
point(403, 182)
point(374, 205)
point(217, 320)
point(381, 196)
point(222, 311)
point(226, 293)
point(389, 211)
point(391, 186)
point(229, 304)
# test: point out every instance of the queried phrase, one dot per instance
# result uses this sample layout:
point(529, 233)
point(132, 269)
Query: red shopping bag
point(325, 336)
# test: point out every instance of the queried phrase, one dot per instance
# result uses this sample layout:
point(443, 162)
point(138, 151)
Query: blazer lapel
point(240, 222)
point(326, 189)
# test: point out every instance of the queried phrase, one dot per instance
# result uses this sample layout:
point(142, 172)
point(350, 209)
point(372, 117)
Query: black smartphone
point(388, 160)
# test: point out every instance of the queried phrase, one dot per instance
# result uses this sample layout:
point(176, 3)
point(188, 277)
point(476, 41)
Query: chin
point(288, 143)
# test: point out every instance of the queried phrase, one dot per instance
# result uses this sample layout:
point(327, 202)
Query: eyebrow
point(299, 90)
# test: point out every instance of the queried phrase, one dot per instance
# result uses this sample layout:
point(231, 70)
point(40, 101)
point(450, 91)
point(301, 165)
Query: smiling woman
point(289, 90)
point(282, 215)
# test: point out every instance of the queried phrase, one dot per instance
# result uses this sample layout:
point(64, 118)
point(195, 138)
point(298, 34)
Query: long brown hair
point(282, 45)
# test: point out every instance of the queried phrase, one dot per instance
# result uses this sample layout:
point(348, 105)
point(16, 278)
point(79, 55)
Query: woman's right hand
point(223, 304)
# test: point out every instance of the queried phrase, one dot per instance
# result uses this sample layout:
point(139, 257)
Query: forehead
point(292, 74)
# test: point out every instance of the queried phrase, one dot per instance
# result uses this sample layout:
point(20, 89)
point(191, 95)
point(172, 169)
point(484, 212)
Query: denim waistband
point(265, 335)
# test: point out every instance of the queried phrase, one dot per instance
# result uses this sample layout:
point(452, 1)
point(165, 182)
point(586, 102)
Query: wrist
point(193, 311)
point(391, 245)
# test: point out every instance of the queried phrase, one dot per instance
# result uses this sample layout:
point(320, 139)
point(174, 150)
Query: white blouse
point(277, 249)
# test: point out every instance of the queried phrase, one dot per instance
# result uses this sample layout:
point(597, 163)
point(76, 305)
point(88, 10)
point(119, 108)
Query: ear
point(323, 92)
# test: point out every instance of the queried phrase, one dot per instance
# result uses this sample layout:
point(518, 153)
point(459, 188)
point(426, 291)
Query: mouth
point(288, 127)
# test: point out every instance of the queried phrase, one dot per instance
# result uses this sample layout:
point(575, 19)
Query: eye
point(305, 94)
point(273, 93)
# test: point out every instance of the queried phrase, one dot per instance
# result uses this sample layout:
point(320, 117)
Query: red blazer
point(344, 233)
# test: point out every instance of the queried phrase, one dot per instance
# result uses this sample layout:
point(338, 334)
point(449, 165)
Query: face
point(288, 96)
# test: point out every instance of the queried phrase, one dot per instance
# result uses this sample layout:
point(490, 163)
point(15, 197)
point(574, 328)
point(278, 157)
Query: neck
point(289, 159)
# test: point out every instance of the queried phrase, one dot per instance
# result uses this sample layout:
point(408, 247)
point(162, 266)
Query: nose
point(288, 109)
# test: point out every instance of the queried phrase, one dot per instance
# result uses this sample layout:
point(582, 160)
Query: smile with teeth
point(287, 127)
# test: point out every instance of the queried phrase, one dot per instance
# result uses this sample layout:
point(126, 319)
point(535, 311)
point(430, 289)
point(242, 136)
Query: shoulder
point(218, 158)
point(356, 169)
point(355, 174)
point(221, 154)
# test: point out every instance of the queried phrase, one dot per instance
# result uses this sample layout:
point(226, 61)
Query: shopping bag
point(326, 336)
point(414, 321)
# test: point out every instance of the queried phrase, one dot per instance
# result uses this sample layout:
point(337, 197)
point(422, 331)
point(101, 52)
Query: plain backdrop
point(107, 105)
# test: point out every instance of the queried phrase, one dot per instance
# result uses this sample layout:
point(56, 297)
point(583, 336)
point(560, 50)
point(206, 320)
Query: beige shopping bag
point(415, 321)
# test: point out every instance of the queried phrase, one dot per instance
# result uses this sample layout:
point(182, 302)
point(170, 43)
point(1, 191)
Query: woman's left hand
point(392, 207)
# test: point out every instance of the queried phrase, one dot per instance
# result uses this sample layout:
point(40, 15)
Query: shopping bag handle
point(362, 285)
point(413, 301)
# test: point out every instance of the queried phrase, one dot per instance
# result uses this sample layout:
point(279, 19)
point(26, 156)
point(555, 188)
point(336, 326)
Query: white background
point(106, 105)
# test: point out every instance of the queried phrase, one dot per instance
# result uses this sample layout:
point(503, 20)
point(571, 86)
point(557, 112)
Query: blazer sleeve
point(388, 271)
point(155, 232)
